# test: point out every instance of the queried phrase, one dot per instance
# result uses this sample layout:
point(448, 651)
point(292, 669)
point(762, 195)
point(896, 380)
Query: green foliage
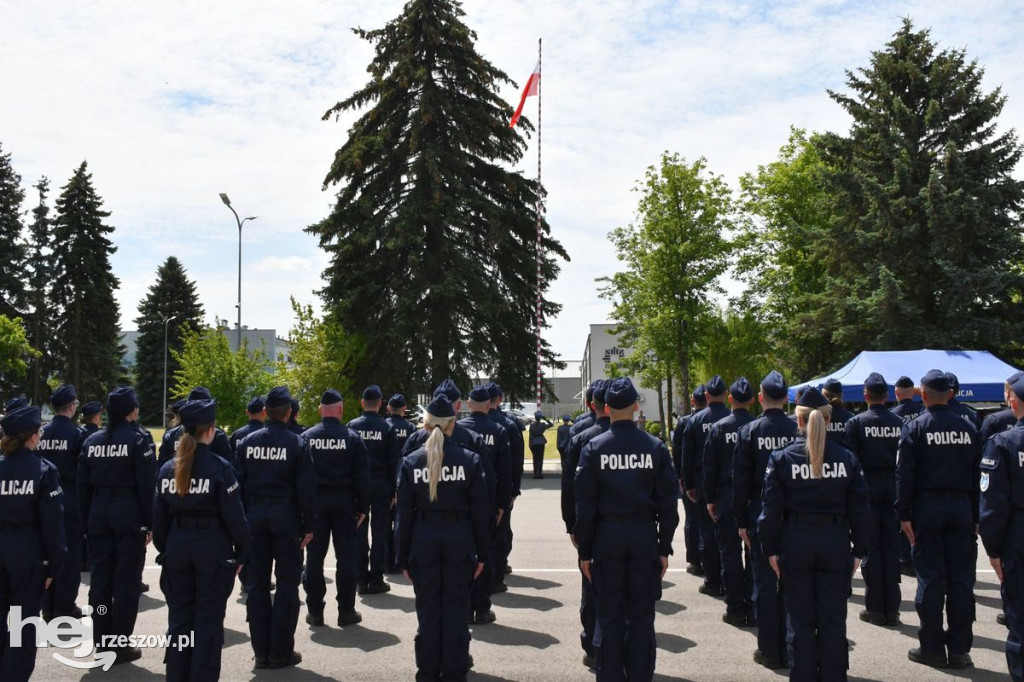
point(172, 295)
point(15, 351)
point(432, 238)
point(40, 320)
point(735, 346)
point(12, 286)
point(86, 345)
point(323, 356)
point(233, 378)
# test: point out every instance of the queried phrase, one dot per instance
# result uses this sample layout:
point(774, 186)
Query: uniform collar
point(604, 420)
point(906, 401)
point(940, 408)
point(623, 425)
point(774, 410)
point(331, 420)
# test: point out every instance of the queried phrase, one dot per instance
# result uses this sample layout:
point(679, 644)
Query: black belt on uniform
point(18, 526)
point(626, 518)
point(114, 491)
point(196, 522)
point(816, 519)
point(268, 499)
point(436, 516)
point(942, 494)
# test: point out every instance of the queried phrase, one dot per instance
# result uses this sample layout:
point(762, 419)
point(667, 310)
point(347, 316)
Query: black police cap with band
point(834, 386)
point(812, 398)
point(198, 412)
point(121, 401)
point(741, 391)
point(256, 405)
point(936, 380)
point(15, 404)
point(397, 401)
point(372, 393)
point(904, 382)
point(21, 420)
point(875, 383)
point(479, 394)
point(330, 397)
point(200, 393)
point(598, 389)
point(449, 389)
point(91, 408)
point(441, 407)
point(715, 386)
point(620, 394)
point(278, 396)
point(774, 385)
point(64, 395)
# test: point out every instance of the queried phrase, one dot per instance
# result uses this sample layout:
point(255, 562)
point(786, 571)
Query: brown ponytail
point(11, 444)
point(184, 456)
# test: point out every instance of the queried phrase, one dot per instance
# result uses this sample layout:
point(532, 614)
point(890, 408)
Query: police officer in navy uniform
point(116, 479)
point(495, 456)
point(1003, 420)
point(562, 436)
point(441, 537)
point(92, 412)
point(342, 503)
point(626, 514)
point(517, 448)
point(965, 411)
point(588, 606)
point(906, 408)
point(60, 443)
point(719, 452)
point(538, 442)
point(200, 530)
point(691, 531)
point(383, 454)
point(293, 419)
point(32, 539)
point(256, 410)
point(1001, 522)
point(874, 436)
point(833, 392)
point(937, 475)
point(278, 482)
point(587, 418)
point(402, 428)
point(756, 441)
point(694, 438)
point(815, 524)
point(221, 446)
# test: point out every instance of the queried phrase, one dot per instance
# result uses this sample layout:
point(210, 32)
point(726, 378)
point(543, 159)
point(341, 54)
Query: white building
point(274, 346)
point(602, 349)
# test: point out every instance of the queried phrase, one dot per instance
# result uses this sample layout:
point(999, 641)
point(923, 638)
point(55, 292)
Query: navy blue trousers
point(691, 531)
point(441, 563)
point(117, 551)
point(372, 538)
point(881, 567)
point(335, 518)
point(197, 578)
point(482, 586)
point(769, 606)
point(815, 561)
point(1012, 591)
point(61, 598)
point(502, 546)
point(276, 540)
point(21, 584)
point(627, 583)
point(945, 552)
point(709, 554)
point(736, 578)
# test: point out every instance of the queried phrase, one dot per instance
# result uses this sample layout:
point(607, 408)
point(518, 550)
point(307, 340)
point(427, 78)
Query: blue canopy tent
point(981, 374)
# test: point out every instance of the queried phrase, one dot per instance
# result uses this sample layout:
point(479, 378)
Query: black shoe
point(507, 569)
point(483, 617)
point(589, 661)
point(772, 663)
point(893, 619)
point(145, 587)
point(751, 621)
point(908, 570)
point(873, 617)
point(737, 619)
point(376, 588)
point(711, 590)
point(260, 663)
point(935, 660)
point(499, 587)
point(127, 655)
point(294, 659)
point(695, 569)
point(393, 570)
point(470, 661)
point(350, 618)
point(315, 619)
point(960, 661)
point(1001, 619)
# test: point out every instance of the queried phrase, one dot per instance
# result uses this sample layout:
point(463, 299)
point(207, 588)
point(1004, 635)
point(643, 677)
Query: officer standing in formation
point(719, 452)
point(32, 539)
point(256, 411)
point(906, 408)
point(1001, 524)
point(517, 447)
point(965, 411)
point(626, 492)
point(586, 419)
point(342, 502)
point(937, 478)
point(441, 538)
point(833, 392)
point(1003, 420)
point(59, 444)
point(92, 412)
point(814, 526)
point(275, 470)
point(401, 428)
point(562, 437)
point(538, 442)
point(691, 531)
point(200, 530)
point(221, 446)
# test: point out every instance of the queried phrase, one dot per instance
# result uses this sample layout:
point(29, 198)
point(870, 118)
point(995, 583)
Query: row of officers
point(266, 501)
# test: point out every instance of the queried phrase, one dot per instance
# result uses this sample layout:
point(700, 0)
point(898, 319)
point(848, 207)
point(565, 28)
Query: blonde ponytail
point(816, 427)
point(435, 448)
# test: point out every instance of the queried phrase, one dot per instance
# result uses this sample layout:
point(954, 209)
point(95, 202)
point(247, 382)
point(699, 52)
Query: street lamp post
point(227, 202)
point(163, 415)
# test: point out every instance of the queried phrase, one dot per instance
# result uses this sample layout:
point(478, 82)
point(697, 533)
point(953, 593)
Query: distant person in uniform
point(588, 416)
point(200, 530)
point(1003, 420)
point(626, 515)
point(814, 526)
point(402, 428)
point(937, 478)
point(833, 392)
point(256, 411)
point(92, 415)
point(691, 531)
point(441, 537)
point(562, 436)
point(906, 408)
point(538, 442)
point(965, 411)
point(293, 420)
point(220, 446)
point(32, 539)
point(517, 448)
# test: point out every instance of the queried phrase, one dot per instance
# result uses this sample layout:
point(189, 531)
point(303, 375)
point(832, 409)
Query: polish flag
point(532, 88)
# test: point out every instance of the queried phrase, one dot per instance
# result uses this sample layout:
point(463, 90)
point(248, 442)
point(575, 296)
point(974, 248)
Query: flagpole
point(540, 208)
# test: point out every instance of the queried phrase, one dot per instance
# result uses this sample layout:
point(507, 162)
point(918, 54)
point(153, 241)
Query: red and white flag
point(532, 89)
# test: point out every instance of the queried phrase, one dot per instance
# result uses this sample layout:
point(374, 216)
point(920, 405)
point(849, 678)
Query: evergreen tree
point(40, 321)
point(87, 350)
point(925, 237)
point(172, 295)
point(431, 238)
point(12, 264)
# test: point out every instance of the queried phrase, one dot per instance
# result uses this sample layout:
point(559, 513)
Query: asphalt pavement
point(536, 636)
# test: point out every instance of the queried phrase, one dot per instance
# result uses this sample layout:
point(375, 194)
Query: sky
point(173, 103)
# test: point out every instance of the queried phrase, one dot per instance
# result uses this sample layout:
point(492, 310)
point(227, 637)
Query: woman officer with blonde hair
point(441, 540)
point(816, 513)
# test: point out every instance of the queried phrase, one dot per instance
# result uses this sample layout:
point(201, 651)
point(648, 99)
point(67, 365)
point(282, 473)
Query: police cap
point(256, 405)
point(176, 405)
point(14, 404)
point(64, 395)
point(937, 380)
point(479, 394)
point(715, 386)
point(493, 390)
point(812, 398)
point(498, 393)
point(954, 383)
point(21, 420)
point(278, 397)
point(566, 418)
point(1018, 387)
point(1012, 379)
point(448, 388)
point(440, 406)
point(598, 388)
point(700, 393)
point(200, 393)
point(295, 407)
point(589, 394)
point(904, 382)
point(875, 383)
point(330, 397)
point(198, 412)
point(833, 386)
point(372, 392)
point(121, 401)
point(398, 401)
point(774, 385)
point(741, 391)
point(620, 394)
point(91, 408)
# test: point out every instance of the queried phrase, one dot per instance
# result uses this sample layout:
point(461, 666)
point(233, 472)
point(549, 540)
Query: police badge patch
point(984, 482)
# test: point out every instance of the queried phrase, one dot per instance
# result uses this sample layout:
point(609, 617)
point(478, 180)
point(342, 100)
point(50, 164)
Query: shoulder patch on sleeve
point(984, 482)
point(989, 463)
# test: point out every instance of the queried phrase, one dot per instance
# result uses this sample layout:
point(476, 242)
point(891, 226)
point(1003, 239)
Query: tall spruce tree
point(925, 242)
point(12, 264)
point(86, 343)
point(172, 295)
point(432, 237)
point(40, 321)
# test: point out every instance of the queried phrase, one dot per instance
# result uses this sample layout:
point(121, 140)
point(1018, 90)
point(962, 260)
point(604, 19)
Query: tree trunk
point(667, 427)
point(661, 408)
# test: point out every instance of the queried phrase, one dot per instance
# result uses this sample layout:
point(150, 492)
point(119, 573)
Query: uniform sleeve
point(773, 504)
point(568, 497)
point(995, 498)
point(221, 446)
point(479, 510)
point(852, 433)
point(742, 475)
point(976, 451)
point(710, 464)
point(408, 446)
point(166, 448)
point(690, 455)
point(677, 448)
point(518, 449)
point(144, 462)
point(503, 469)
point(84, 484)
point(305, 487)
point(906, 460)
point(232, 514)
point(585, 493)
point(361, 474)
point(392, 454)
point(161, 519)
point(858, 510)
point(405, 516)
point(51, 520)
point(667, 501)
